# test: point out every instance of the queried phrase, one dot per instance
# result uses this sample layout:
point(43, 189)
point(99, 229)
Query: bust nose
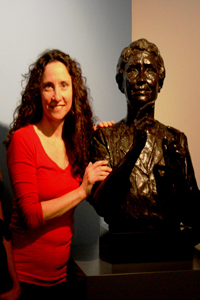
point(141, 77)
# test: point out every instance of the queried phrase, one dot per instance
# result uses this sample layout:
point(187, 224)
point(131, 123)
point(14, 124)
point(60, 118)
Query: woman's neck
point(50, 129)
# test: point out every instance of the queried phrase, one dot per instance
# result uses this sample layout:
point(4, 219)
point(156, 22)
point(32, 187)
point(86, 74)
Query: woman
point(9, 284)
point(48, 163)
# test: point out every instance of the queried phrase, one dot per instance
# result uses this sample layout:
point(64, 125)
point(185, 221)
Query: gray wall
point(93, 32)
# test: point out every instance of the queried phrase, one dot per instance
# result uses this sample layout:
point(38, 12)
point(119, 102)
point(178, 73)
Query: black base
point(123, 248)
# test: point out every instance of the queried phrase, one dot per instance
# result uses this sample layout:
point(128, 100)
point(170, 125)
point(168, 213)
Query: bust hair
point(141, 45)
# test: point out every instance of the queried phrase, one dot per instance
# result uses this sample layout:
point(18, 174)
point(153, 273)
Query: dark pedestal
point(118, 248)
point(170, 280)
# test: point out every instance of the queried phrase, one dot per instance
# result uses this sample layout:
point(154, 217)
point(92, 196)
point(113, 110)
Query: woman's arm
point(93, 173)
point(23, 171)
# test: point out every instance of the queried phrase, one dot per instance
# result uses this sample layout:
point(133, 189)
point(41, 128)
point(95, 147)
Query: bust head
point(132, 52)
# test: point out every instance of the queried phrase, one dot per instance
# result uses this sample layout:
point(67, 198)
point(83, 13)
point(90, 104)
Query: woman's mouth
point(57, 107)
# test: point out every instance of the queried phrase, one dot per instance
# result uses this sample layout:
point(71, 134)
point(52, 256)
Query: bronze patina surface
point(152, 186)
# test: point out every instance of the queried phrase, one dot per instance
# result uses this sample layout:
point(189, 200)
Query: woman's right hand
point(103, 124)
point(13, 294)
point(94, 172)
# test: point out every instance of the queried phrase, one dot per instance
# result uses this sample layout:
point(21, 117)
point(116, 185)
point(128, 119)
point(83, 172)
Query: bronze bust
point(152, 186)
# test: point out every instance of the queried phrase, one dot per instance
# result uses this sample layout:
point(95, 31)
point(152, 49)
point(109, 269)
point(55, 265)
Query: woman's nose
point(57, 94)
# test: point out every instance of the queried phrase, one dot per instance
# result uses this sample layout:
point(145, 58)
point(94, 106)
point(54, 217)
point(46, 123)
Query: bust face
point(141, 78)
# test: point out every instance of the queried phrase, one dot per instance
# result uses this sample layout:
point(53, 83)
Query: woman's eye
point(48, 86)
point(64, 84)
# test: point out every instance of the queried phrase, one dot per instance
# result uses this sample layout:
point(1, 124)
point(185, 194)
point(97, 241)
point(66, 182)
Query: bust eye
point(150, 70)
point(132, 71)
point(150, 73)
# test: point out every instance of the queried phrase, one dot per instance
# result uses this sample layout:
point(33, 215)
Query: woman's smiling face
point(56, 92)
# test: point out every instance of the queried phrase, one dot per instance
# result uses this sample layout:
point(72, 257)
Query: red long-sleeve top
point(41, 249)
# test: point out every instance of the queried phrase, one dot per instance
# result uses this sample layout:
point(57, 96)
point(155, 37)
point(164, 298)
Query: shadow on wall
point(7, 196)
point(86, 225)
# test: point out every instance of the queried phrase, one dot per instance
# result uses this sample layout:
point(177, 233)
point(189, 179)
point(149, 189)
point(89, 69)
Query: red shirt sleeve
point(22, 171)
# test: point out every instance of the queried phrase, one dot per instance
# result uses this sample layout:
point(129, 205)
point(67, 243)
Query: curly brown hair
point(141, 45)
point(78, 125)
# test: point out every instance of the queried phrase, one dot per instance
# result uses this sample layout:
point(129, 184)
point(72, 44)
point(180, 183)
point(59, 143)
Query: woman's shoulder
point(23, 136)
point(24, 131)
point(23, 145)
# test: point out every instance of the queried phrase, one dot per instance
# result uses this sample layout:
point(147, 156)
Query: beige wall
point(174, 26)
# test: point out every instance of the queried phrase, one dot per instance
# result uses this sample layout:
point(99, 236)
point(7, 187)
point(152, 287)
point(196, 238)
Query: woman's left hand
point(94, 172)
point(103, 124)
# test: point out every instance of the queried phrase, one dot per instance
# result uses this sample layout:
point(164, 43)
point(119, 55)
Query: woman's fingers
point(104, 124)
point(97, 171)
point(94, 172)
point(98, 163)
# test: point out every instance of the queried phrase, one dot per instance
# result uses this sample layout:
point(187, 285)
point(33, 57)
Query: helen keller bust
point(152, 186)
